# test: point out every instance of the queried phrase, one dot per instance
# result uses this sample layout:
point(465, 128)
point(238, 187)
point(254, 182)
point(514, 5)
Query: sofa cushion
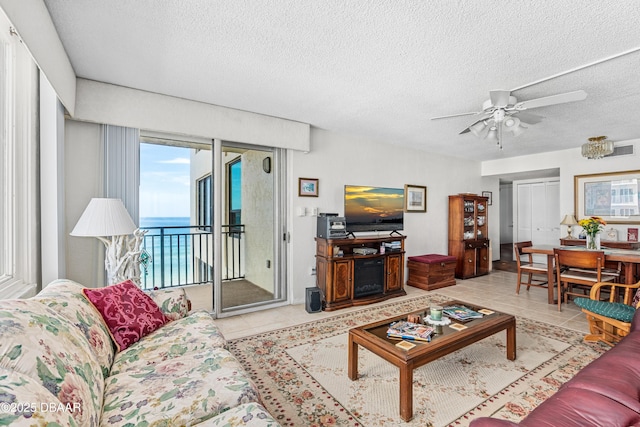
point(129, 313)
point(25, 400)
point(613, 310)
point(182, 390)
point(66, 298)
point(573, 407)
point(248, 414)
point(173, 302)
point(615, 374)
point(180, 373)
point(193, 333)
point(41, 344)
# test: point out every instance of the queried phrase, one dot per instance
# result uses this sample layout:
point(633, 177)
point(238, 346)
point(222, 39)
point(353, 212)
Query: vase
point(593, 241)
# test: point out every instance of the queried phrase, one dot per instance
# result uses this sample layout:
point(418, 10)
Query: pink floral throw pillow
point(129, 313)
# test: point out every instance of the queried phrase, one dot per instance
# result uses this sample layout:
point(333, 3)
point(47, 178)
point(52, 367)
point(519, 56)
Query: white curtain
point(122, 166)
point(19, 208)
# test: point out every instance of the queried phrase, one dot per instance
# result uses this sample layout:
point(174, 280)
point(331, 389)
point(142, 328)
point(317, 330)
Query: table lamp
point(108, 221)
point(569, 220)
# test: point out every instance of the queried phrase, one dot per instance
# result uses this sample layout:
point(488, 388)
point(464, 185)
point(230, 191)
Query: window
point(19, 250)
point(235, 192)
point(204, 201)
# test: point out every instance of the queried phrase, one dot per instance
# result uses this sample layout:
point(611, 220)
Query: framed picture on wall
point(415, 198)
point(489, 196)
point(308, 187)
point(613, 196)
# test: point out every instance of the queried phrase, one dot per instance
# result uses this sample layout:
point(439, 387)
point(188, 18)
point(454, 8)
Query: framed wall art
point(489, 196)
point(613, 196)
point(415, 198)
point(308, 187)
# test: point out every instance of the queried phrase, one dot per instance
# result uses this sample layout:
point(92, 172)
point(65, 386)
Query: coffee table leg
point(511, 341)
point(353, 359)
point(406, 392)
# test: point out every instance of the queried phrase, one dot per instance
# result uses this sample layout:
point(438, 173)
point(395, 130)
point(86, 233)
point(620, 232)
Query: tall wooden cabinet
point(354, 271)
point(469, 234)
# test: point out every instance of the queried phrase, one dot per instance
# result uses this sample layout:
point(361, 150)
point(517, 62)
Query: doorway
point(251, 247)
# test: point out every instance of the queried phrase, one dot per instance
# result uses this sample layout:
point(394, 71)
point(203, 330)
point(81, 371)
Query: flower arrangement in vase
point(592, 227)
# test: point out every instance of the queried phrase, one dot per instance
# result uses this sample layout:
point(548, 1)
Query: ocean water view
point(169, 243)
point(162, 221)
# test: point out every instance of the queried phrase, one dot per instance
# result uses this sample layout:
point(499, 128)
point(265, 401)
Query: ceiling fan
point(502, 111)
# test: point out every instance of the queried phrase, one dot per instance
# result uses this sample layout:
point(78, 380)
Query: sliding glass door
point(214, 220)
point(251, 243)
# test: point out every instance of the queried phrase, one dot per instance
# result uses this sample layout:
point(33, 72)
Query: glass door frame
point(278, 169)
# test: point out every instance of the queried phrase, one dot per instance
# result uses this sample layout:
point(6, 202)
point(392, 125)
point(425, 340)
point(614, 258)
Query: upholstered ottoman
point(431, 271)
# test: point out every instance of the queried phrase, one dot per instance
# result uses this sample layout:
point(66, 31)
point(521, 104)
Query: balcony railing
point(183, 255)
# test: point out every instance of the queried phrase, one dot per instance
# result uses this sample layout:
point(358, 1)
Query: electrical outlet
point(268, 263)
point(313, 271)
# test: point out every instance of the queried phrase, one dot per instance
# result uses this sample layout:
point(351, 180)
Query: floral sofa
point(59, 367)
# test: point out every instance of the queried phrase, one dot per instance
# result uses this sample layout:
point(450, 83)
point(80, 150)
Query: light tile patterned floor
point(496, 290)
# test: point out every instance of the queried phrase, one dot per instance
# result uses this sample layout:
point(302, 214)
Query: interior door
point(537, 212)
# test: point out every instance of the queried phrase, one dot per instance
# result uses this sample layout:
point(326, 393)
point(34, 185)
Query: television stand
point(395, 232)
point(347, 278)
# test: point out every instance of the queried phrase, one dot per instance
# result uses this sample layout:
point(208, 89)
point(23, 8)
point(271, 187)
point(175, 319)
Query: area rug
point(301, 372)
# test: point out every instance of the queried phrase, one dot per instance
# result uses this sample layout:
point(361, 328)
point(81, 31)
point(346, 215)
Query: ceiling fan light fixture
point(492, 136)
point(518, 130)
point(511, 122)
point(597, 147)
point(477, 128)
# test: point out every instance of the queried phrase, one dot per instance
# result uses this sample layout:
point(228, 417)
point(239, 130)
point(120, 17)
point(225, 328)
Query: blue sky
point(164, 181)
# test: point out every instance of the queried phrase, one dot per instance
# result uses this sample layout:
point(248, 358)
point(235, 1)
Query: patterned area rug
point(302, 373)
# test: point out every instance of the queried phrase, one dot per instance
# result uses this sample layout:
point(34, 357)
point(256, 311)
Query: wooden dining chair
point(609, 320)
point(578, 267)
point(528, 268)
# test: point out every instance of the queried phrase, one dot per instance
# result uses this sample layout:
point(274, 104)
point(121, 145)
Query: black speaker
point(313, 302)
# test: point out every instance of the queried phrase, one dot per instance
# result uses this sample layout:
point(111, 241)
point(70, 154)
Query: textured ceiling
point(380, 68)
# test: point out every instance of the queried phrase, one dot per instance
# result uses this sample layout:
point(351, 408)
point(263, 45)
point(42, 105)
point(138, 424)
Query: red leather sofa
point(604, 393)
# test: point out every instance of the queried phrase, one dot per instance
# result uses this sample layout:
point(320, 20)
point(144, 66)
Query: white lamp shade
point(104, 217)
point(569, 220)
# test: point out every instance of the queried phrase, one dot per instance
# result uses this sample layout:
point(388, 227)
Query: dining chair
point(609, 321)
point(578, 267)
point(528, 268)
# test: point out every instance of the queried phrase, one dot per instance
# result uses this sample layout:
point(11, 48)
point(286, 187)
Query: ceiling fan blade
point(578, 95)
point(454, 115)
point(499, 98)
point(529, 118)
point(478, 119)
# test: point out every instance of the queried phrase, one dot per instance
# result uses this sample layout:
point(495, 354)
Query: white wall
point(83, 180)
point(338, 159)
point(571, 163)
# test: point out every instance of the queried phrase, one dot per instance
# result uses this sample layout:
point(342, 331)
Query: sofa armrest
point(491, 422)
point(635, 322)
point(173, 302)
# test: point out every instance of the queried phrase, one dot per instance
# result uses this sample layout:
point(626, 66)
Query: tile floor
point(496, 291)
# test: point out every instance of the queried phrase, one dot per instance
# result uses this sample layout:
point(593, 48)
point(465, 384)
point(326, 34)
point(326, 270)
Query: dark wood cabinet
point(469, 235)
point(393, 268)
point(347, 276)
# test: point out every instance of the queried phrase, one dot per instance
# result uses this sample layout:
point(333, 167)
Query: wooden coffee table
point(373, 337)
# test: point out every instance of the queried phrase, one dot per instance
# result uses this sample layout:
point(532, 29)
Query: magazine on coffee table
point(461, 313)
point(409, 330)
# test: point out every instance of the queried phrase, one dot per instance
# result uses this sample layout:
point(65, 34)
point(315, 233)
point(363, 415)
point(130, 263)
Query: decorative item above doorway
point(613, 196)
point(415, 198)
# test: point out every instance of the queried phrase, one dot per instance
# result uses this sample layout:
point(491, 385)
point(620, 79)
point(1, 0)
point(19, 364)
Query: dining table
point(630, 258)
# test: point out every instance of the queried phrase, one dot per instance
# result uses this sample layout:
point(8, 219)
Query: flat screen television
point(373, 208)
